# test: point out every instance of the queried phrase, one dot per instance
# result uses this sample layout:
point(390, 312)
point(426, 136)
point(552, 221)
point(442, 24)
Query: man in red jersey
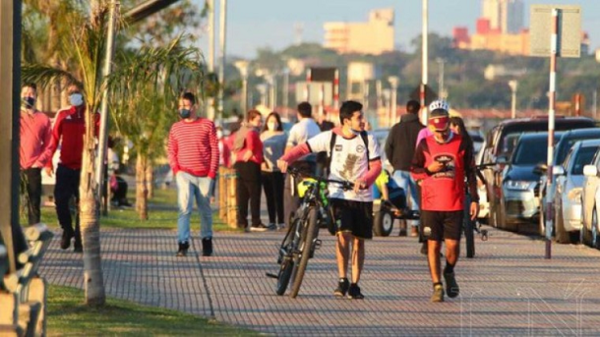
point(68, 131)
point(34, 149)
point(194, 158)
point(441, 163)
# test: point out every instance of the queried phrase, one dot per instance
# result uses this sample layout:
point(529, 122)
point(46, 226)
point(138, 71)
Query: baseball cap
point(439, 119)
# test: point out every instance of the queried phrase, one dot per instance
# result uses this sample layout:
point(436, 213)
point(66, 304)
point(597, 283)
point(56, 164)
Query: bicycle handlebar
point(346, 185)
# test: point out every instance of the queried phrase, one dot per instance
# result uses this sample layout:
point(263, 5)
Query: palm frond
point(45, 74)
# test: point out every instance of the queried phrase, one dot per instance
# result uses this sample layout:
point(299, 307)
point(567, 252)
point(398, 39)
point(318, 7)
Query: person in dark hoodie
point(400, 149)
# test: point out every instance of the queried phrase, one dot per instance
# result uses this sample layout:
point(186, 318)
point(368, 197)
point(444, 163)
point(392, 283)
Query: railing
point(23, 293)
point(227, 203)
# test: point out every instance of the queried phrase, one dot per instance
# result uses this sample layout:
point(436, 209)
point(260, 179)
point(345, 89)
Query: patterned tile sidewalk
point(508, 289)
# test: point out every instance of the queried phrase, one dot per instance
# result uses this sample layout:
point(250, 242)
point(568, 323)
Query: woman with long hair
point(274, 140)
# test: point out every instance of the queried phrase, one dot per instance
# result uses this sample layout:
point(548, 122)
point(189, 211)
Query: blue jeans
point(190, 187)
point(404, 180)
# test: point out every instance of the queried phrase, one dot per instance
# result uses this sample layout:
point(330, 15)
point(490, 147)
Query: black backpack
point(363, 134)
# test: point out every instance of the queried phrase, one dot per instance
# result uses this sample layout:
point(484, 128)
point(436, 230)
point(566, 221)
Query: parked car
point(520, 183)
point(590, 202)
point(477, 138)
point(499, 144)
point(569, 186)
point(560, 153)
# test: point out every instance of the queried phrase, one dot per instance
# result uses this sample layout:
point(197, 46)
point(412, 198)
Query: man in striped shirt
point(194, 159)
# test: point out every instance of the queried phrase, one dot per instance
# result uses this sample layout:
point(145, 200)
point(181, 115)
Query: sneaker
point(438, 293)
point(207, 247)
point(65, 241)
point(354, 292)
point(414, 231)
point(183, 248)
point(342, 287)
point(451, 286)
point(259, 228)
point(281, 226)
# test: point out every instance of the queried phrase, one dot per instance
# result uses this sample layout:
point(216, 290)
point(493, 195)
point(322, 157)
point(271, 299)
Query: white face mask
point(76, 99)
point(272, 126)
point(219, 134)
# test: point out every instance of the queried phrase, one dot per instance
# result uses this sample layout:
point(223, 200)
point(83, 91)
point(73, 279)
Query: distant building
point(375, 36)
point(505, 16)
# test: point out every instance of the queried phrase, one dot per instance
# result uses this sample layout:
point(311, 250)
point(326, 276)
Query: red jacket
point(444, 190)
point(254, 144)
point(69, 129)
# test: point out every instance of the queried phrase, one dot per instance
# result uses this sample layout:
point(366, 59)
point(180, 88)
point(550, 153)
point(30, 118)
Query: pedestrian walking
point(248, 150)
point(34, 149)
point(441, 164)
point(355, 157)
point(69, 132)
point(193, 153)
point(400, 149)
point(274, 140)
point(302, 131)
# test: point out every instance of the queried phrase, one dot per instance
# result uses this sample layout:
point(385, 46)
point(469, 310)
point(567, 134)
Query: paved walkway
point(508, 289)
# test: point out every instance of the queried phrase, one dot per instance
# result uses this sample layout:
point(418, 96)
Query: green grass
point(68, 316)
point(163, 216)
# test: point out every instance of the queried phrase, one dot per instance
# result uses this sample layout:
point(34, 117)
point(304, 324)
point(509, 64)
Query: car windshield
point(584, 157)
point(531, 151)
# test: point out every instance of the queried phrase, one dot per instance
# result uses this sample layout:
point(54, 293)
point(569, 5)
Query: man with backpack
point(355, 157)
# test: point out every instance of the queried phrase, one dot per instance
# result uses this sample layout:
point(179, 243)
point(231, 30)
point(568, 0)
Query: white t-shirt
point(348, 163)
point(301, 132)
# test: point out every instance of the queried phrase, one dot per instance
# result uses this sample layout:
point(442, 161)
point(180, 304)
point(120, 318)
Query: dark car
point(499, 145)
point(520, 181)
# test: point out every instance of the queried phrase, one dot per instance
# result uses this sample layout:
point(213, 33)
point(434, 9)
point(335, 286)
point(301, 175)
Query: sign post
point(561, 26)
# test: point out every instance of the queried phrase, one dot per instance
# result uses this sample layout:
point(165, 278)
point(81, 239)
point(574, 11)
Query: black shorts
point(443, 225)
point(355, 217)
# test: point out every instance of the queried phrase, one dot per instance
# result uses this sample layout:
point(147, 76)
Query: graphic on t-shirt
point(449, 169)
point(347, 171)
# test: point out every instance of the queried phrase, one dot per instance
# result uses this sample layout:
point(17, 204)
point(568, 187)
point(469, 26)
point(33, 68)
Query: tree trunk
point(141, 187)
point(150, 181)
point(89, 219)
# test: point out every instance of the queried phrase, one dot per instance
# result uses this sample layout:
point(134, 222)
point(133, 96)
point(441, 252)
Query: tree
point(147, 83)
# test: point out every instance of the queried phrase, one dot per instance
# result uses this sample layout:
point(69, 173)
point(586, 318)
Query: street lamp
point(513, 88)
point(394, 80)
point(243, 66)
point(441, 88)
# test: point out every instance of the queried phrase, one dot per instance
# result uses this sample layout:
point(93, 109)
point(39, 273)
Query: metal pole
point(210, 109)
point(308, 80)
point(322, 99)
point(442, 90)
point(595, 102)
point(551, 110)
point(366, 95)
point(424, 60)
point(378, 94)
point(286, 89)
point(394, 98)
point(513, 103)
point(110, 46)
point(222, 40)
point(245, 94)
point(336, 89)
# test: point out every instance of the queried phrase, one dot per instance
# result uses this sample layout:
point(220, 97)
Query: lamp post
point(441, 87)
point(424, 60)
point(222, 42)
point(394, 80)
point(513, 106)
point(242, 66)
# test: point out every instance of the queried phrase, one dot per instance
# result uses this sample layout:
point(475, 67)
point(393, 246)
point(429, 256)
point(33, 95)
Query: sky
point(253, 24)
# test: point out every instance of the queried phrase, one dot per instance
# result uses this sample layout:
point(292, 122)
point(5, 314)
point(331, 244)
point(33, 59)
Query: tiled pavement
point(508, 289)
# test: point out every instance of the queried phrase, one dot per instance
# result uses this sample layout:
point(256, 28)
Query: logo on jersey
point(360, 148)
point(338, 147)
point(449, 169)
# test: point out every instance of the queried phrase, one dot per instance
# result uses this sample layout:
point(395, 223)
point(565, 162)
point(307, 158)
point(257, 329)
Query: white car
point(569, 187)
point(590, 201)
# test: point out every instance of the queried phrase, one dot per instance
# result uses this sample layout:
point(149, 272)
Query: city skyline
point(273, 23)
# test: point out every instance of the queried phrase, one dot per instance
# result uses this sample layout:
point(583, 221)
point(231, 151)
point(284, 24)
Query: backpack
point(363, 134)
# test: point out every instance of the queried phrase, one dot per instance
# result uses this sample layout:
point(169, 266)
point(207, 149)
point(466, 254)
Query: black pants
point(33, 184)
point(120, 194)
point(248, 189)
point(66, 190)
point(273, 186)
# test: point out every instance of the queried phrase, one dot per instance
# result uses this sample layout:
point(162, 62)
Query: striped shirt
point(193, 148)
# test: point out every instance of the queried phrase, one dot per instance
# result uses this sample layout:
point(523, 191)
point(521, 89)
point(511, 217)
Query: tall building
point(375, 36)
point(505, 16)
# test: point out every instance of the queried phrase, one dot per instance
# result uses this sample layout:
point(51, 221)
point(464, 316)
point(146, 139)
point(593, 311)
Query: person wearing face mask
point(441, 163)
point(354, 157)
point(274, 140)
point(69, 131)
point(248, 158)
point(193, 152)
point(34, 149)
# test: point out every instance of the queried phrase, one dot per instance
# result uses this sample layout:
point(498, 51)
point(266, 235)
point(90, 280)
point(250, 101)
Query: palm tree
point(144, 94)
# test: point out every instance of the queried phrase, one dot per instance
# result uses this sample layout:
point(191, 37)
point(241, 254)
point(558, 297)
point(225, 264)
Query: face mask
point(76, 99)
point(28, 102)
point(219, 134)
point(185, 113)
point(272, 126)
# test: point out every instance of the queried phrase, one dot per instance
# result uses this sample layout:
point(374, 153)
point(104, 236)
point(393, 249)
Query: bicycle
point(301, 239)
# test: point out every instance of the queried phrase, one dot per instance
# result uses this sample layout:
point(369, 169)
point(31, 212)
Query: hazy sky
point(260, 23)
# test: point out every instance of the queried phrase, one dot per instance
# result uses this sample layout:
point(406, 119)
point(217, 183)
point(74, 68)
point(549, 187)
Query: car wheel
point(502, 223)
point(562, 236)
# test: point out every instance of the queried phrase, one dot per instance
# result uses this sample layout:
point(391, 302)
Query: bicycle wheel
point(470, 237)
point(285, 272)
point(309, 233)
